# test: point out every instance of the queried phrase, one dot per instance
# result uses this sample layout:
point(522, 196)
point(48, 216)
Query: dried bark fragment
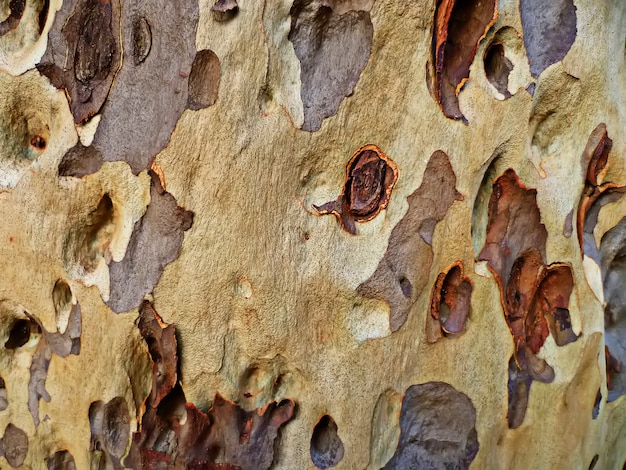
point(110, 432)
point(549, 31)
point(204, 81)
point(16, 8)
point(450, 303)
point(155, 242)
point(175, 434)
point(514, 225)
point(84, 54)
point(224, 10)
point(403, 272)
point(458, 28)
point(498, 68)
point(14, 445)
point(80, 161)
point(333, 49)
point(535, 297)
point(438, 429)
point(61, 460)
point(370, 178)
point(326, 447)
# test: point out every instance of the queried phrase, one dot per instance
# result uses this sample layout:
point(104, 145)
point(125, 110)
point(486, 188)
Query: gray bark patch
point(437, 429)
point(14, 445)
point(333, 50)
point(549, 31)
point(155, 242)
point(405, 267)
point(326, 446)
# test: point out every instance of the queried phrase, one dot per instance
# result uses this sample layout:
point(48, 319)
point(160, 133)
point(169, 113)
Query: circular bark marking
point(326, 446)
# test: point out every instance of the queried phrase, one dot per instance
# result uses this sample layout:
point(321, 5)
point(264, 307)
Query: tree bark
point(312, 233)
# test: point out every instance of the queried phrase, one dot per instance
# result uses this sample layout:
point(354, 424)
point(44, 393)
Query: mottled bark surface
point(300, 234)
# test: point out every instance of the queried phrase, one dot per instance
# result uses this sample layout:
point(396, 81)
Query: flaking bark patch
point(370, 178)
point(333, 49)
point(155, 242)
point(176, 434)
point(403, 272)
point(535, 297)
point(84, 54)
point(450, 303)
point(458, 28)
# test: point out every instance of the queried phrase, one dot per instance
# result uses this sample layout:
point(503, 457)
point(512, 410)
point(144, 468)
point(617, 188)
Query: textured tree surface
point(295, 234)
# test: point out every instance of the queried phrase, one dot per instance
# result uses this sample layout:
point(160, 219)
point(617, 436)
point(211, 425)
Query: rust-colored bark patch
point(404, 270)
point(84, 53)
point(458, 28)
point(204, 81)
point(333, 49)
point(175, 433)
point(326, 447)
point(370, 178)
point(155, 242)
point(549, 31)
point(450, 303)
point(535, 297)
point(437, 429)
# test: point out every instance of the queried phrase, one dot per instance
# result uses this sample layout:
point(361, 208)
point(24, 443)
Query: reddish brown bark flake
point(177, 434)
point(459, 27)
point(450, 303)
point(370, 177)
point(535, 297)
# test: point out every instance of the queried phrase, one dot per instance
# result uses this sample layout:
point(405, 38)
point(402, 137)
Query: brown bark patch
point(370, 178)
point(14, 445)
point(535, 297)
point(61, 460)
point(175, 433)
point(403, 272)
point(204, 81)
point(450, 303)
point(110, 432)
point(498, 68)
point(458, 28)
point(84, 53)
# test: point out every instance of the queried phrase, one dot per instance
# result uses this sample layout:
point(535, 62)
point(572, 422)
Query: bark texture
point(312, 233)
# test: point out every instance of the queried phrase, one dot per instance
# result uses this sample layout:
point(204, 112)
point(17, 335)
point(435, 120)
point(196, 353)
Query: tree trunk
point(312, 233)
